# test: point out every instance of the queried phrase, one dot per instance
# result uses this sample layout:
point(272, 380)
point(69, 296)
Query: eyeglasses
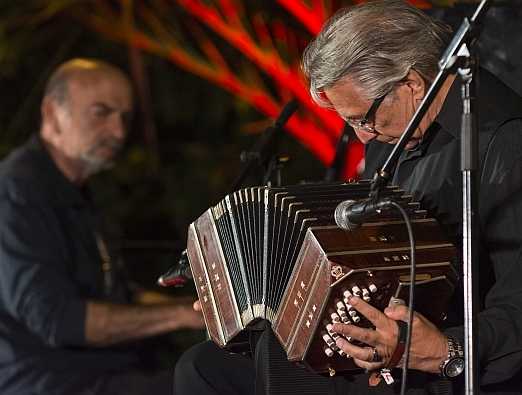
point(367, 123)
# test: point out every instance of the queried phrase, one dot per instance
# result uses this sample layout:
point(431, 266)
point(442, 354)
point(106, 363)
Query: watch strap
point(455, 350)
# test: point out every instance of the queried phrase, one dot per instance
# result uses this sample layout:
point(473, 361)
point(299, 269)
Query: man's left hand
point(428, 344)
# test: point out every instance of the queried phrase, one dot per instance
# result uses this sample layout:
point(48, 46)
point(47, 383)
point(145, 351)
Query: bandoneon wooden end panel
point(212, 281)
point(372, 263)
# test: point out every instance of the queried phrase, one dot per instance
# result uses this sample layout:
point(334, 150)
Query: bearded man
point(66, 323)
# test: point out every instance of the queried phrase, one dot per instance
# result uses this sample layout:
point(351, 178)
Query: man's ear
point(417, 84)
point(49, 113)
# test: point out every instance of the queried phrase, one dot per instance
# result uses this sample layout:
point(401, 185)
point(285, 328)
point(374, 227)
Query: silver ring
point(375, 356)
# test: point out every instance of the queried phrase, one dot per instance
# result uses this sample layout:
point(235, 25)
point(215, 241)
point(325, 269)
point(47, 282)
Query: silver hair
point(375, 44)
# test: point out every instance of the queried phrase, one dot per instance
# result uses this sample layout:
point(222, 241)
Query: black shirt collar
point(449, 117)
point(447, 121)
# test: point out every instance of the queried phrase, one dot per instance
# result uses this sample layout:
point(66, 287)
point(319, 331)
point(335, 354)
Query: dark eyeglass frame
point(368, 117)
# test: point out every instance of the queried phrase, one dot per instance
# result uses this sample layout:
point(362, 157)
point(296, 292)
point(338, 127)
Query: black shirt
point(432, 173)
point(49, 266)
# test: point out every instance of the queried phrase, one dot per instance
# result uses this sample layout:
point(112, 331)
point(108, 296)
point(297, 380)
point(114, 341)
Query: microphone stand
point(456, 57)
point(335, 170)
point(262, 152)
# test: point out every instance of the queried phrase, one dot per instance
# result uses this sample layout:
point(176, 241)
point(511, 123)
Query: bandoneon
point(276, 254)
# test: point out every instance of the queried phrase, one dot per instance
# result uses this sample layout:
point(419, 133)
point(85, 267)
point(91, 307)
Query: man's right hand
point(108, 323)
point(191, 316)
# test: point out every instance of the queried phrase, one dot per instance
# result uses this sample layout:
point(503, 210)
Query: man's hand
point(185, 307)
point(428, 345)
point(108, 323)
point(190, 316)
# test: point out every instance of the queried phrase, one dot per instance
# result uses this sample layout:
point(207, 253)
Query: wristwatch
point(453, 365)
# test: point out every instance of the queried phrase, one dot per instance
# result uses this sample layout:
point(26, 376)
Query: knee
point(207, 369)
point(193, 366)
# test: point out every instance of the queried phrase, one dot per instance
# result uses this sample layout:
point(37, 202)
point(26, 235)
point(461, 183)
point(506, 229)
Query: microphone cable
point(411, 297)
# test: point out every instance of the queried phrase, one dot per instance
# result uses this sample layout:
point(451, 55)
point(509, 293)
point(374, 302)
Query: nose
point(119, 127)
point(365, 137)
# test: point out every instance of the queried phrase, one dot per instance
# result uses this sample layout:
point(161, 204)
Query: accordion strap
point(385, 372)
point(401, 345)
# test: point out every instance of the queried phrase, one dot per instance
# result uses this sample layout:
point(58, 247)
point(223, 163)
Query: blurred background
point(210, 76)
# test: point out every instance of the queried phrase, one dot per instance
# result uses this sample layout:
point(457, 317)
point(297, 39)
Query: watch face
point(454, 367)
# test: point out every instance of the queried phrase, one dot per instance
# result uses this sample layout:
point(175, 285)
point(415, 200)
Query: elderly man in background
point(66, 325)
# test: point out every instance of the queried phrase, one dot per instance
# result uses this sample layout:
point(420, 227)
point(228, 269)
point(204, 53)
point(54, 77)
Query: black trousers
point(208, 370)
point(134, 383)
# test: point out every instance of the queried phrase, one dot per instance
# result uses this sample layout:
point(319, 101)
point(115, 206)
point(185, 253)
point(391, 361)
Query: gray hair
point(375, 44)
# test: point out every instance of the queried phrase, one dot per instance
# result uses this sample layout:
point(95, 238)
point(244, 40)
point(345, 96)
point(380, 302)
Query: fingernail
point(396, 302)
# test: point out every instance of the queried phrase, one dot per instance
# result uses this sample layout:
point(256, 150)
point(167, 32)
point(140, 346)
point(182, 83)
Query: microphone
point(178, 275)
point(351, 214)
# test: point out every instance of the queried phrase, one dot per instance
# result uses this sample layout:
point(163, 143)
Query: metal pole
point(470, 229)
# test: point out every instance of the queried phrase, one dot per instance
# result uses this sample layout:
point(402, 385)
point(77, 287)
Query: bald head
point(57, 85)
point(85, 115)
